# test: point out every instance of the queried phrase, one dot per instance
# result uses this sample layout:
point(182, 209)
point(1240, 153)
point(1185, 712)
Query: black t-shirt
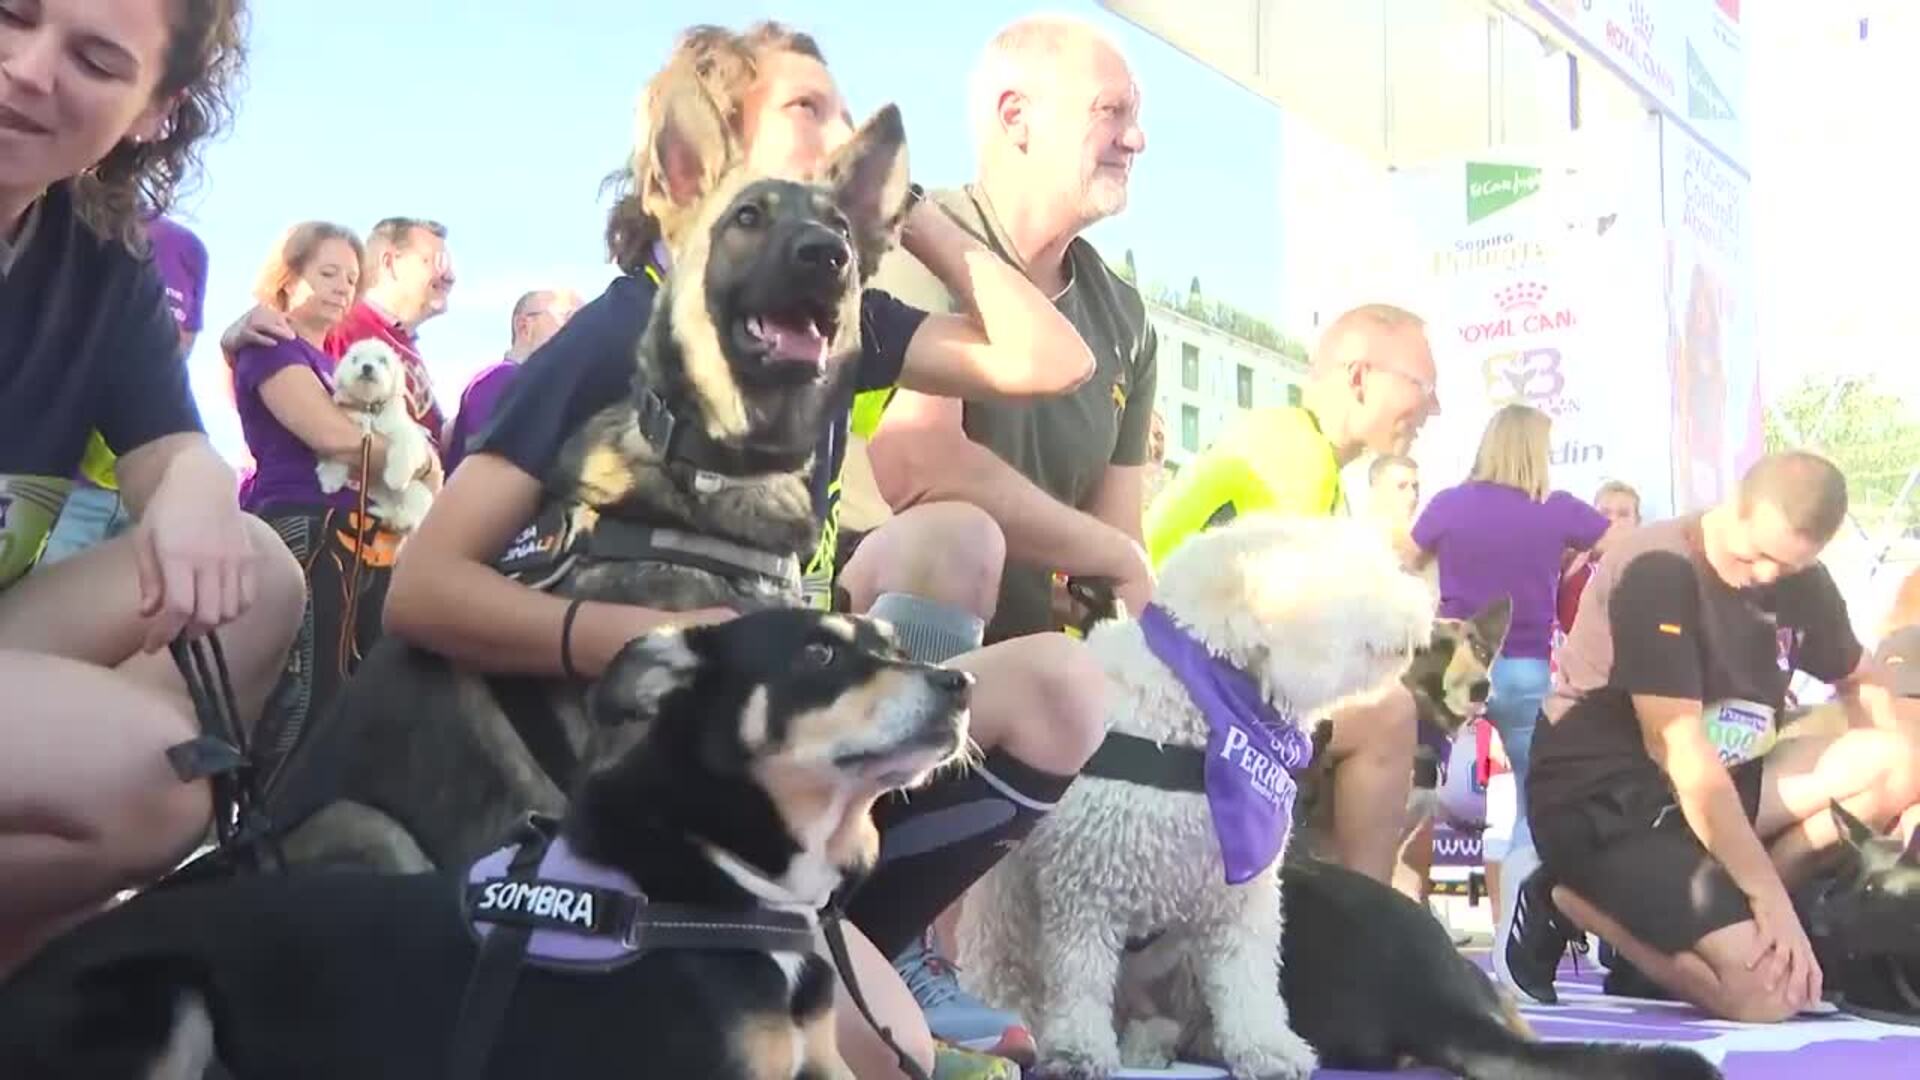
point(1064, 443)
point(589, 364)
point(1656, 620)
point(86, 343)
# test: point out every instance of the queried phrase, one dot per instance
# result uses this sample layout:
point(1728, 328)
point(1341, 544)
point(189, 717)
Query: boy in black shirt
point(1668, 818)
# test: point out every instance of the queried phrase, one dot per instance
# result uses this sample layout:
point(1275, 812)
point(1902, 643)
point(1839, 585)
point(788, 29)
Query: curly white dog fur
point(1319, 612)
point(370, 385)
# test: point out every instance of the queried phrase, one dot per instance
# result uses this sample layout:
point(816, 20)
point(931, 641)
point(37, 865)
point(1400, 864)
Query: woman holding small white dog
point(322, 478)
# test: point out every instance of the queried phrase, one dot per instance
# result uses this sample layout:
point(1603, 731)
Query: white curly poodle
point(1317, 612)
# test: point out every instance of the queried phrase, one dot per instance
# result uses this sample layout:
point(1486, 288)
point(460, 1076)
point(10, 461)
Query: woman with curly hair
point(103, 107)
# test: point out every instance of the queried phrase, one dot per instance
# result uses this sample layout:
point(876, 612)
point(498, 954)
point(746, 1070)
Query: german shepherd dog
point(752, 343)
point(1863, 917)
point(1450, 680)
point(735, 769)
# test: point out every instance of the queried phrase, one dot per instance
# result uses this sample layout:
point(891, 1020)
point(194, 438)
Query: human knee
point(280, 585)
point(1745, 998)
point(1062, 714)
point(952, 553)
point(868, 1055)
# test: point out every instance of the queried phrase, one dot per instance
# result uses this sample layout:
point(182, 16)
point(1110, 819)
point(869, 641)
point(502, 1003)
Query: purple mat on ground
point(1807, 1047)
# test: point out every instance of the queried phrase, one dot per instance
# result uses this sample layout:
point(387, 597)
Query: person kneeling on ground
point(1667, 819)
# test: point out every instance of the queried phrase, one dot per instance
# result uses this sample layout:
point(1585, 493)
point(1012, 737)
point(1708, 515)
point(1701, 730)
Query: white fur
point(370, 384)
point(1319, 611)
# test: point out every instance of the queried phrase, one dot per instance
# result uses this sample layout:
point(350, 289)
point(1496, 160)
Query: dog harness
point(1253, 749)
point(537, 903)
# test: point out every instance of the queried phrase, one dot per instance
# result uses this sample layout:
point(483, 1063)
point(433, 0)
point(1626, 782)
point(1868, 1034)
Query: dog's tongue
point(792, 340)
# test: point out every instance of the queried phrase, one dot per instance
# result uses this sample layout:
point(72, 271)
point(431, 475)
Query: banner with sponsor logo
point(1687, 57)
point(1538, 291)
point(1712, 355)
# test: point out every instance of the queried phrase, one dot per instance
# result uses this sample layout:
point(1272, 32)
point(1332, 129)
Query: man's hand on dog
point(1783, 952)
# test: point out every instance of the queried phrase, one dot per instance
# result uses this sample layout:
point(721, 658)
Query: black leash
point(220, 754)
point(843, 963)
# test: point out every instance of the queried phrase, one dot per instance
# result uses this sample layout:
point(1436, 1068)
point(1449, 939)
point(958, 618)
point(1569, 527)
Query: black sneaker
point(1539, 937)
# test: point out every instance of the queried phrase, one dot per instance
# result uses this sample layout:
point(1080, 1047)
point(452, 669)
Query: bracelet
point(566, 639)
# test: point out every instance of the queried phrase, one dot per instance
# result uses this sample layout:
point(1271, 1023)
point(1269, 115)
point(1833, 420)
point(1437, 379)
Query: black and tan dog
point(740, 762)
point(1449, 678)
point(693, 492)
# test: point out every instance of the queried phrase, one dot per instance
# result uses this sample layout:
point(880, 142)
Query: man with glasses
point(1371, 389)
point(537, 316)
point(407, 279)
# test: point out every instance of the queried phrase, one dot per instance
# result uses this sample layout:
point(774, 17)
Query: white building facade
point(1207, 376)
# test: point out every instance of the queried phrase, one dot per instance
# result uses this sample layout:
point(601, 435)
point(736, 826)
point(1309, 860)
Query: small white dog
point(1271, 622)
point(370, 385)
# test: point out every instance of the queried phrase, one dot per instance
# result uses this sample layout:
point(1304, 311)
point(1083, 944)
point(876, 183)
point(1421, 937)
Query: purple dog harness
point(1246, 771)
point(538, 903)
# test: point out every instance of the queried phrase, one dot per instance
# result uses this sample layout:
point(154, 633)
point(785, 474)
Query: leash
point(831, 928)
point(347, 648)
point(220, 754)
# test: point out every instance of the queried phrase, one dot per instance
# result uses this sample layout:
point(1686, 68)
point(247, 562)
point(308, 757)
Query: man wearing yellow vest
point(1371, 389)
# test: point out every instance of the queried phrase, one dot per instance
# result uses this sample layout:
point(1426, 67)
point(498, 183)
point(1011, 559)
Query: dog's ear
point(869, 181)
point(1491, 622)
point(689, 147)
point(642, 675)
point(1853, 832)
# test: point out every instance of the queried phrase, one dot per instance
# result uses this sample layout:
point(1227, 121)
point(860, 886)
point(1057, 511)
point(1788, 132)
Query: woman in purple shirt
point(284, 395)
point(1504, 533)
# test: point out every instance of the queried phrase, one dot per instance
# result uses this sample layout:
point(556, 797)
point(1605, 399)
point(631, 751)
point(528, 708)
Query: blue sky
point(502, 123)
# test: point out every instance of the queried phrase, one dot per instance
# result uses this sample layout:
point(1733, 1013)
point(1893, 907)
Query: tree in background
point(1872, 435)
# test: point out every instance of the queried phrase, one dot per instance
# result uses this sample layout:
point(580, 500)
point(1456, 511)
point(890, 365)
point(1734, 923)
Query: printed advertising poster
point(1529, 301)
point(1687, 56)
point(1711, 351)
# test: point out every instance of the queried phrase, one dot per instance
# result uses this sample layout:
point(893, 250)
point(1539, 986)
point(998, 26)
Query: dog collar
point(584, 916)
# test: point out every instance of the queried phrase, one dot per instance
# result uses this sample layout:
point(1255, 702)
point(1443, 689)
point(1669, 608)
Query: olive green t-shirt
point(1063, 444)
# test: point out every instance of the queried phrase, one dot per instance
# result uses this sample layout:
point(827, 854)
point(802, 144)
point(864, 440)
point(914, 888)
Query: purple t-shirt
point(283, 465)
point(1492, 540)
point(181, 259)
point(482, 395)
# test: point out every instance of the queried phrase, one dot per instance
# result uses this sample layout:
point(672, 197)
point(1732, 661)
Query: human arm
point(296, 398)
point(1829, 651)
point(261, 326)
point(1422, 543)
point(991, 334)
point(1654, 616)
point(446, 595)
point(921, 454)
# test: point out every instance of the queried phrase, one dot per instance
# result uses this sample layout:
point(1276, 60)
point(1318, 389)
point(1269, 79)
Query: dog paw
point(1149, 1043)
point(1283, 1056)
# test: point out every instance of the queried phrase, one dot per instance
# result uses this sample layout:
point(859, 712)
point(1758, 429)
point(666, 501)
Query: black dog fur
point(721, 739)
point(1373, 982)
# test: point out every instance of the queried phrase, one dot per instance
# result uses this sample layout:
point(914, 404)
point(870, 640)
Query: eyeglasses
point(1428, 392)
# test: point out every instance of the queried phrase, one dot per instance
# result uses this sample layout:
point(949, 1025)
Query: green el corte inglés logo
point(1493, 188)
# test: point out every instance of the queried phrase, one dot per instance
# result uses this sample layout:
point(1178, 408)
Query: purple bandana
point(1252, 749)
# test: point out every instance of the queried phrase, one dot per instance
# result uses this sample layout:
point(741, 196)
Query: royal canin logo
point(1523, 310)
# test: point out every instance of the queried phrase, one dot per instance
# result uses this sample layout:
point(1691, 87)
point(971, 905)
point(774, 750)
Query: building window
point(1293, 394)
point(1190, 366)
point(1190, 429)
point(1244, 390)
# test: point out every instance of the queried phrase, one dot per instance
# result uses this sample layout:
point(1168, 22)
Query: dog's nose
point(820, 249)
point(949, 681)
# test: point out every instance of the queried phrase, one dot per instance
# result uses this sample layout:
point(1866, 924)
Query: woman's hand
point(196, 562)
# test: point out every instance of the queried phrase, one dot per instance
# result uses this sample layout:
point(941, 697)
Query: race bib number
point(1739, 730)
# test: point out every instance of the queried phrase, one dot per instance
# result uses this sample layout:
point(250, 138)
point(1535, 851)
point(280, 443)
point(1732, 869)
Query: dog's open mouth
point(800, 336)
point(901, 763)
